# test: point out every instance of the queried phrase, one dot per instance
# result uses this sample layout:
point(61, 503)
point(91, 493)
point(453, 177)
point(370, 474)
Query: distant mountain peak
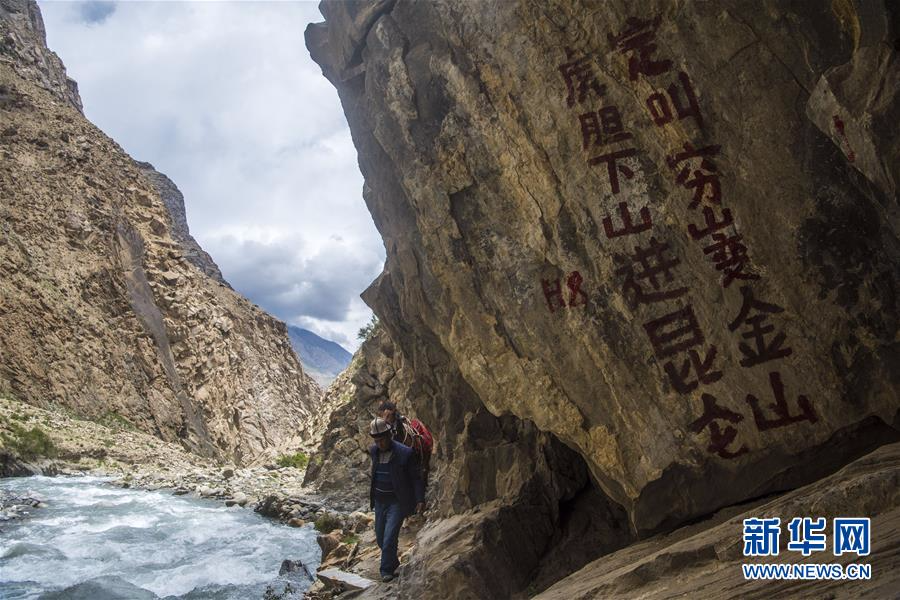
point(322, 359)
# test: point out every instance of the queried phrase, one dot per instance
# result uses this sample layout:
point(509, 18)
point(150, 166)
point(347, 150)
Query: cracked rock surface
point(653, 241)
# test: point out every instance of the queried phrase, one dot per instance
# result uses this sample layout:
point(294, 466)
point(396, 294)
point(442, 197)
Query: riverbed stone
point(335, 578)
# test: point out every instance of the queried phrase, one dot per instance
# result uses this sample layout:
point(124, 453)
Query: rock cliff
point(174, 201)
point(23, 47)
point(642, 258)
point(107, 305)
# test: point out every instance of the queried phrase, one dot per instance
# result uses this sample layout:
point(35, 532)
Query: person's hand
point(420, 508)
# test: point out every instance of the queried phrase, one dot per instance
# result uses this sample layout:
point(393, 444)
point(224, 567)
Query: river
point(97, 541)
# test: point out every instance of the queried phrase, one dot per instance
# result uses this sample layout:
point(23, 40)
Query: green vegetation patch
point(368, 330)
point(298, 460)
point(116, 422)
point(29, 443)
point(350, 539)
point(328, 523)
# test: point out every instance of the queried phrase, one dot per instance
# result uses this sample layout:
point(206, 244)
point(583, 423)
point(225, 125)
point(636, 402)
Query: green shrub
point(298, 460)
point(29, 443)
point(116, 422)
point(365, 332)
point(350, 539)
point(328, 523)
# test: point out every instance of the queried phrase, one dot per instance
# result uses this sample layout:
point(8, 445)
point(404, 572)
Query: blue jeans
point(388, 519)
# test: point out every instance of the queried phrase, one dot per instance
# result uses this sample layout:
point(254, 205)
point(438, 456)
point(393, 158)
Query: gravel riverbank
point(111, 448)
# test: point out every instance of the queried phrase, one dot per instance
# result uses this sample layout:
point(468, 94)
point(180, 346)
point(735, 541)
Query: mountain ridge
point(107, 305)
point(323, 359)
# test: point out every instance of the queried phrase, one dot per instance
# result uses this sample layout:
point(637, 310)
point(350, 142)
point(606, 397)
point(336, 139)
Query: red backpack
point(422, 440)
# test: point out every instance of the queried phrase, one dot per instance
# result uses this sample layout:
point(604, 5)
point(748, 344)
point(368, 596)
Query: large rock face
point(666, 233)
point(106, 303)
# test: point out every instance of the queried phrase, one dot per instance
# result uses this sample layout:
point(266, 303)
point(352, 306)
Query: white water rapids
point(97, 541)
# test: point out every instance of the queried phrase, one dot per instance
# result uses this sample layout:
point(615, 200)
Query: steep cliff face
point(655, 240)
point(174, 201)
point(107, 305)
point(23, 47)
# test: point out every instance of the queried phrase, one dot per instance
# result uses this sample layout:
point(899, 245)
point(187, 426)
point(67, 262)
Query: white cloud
point(224, 99)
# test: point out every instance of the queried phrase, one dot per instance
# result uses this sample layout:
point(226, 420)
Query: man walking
point(410, 432)
point(396, 492)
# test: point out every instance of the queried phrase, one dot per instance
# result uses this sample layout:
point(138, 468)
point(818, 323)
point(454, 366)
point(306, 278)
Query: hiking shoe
point(386, 578)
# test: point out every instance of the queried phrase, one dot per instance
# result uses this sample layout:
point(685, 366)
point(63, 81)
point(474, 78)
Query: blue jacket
point(406, 476)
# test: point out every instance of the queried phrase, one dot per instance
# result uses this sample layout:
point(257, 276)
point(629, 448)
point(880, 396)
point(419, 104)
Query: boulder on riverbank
point(107, 588)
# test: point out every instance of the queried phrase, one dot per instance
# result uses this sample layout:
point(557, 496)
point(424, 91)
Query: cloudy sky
point(224, 99)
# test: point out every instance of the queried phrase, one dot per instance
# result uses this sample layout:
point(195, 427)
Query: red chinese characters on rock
point(754, 315)
point(638, 42)
point(719, 438)
point(700, 176)
point(614, 167)
point(580, 79)
point(602, 127)
point(553, 292)
point(678, 336)
point(681, 97)
point(648, 274)
point(629, 227)
point(651, 267)
point(845, 143)
point(674, 332)
point(780, 408)
point(727, 249)
point(648, 277)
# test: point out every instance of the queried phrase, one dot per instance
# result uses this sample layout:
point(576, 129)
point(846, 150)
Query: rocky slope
point(174, 201)
point(107, 306)
point(641, 261)
point(23, 47)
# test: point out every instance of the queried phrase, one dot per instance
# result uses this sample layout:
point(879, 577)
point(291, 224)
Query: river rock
point(107, 587)
point(335, 578)
point(295, 566)
point(328, 542)
point(360, 521)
